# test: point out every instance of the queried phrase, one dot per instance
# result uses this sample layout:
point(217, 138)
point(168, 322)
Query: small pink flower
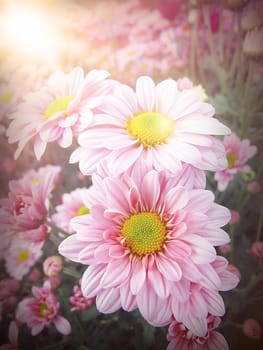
point(235, 217)
point(21, 256)
point(253, 187)
point(12, 336)
point(60, 110)
point(52, 266)
point(27, 203)
point(54, 281)
point(238, 153)
point(252, 328)
point(34, 276)
point(225, 248)
point(180, 337)
point(9, 165)
point(256, 249)
point(8, 287)
point(72, 205)
point(41, 310)
point(79, 302)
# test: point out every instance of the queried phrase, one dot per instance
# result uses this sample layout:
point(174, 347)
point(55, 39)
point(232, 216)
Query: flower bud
point(52, 266)
point(252, 328)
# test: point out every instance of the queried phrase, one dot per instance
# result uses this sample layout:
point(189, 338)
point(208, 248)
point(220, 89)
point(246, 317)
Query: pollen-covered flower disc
point(158, 124)
point(148, 241)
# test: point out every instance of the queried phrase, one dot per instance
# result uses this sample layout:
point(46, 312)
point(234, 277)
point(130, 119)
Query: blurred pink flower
point(36, 235)
point(9, 165)
point(52, 266)
point(256, 249)
point(79, 302)
point(21, 256)
point(60, 110)
point(27, 203)
point(238, 153)
point(34, 276)
point(41, 310)
point(12, 336)
point(72, 205)
point(225, 248)
point(167, 272)
point(156, 124)
point(235, 217)
point(252, 328)
point(253, 187)
point(233, 269)
point(54, 281)
point(8, 287)
point(180, 337)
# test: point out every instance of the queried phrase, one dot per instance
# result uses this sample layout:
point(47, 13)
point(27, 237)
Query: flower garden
point(131, 175)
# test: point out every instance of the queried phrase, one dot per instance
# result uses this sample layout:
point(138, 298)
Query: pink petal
point(145, 92)
point(116, 273)
point(160, 285)
point(62, 325)
point(176, 199)
point(90, 282)
point(214, 302)
point(169, 268)
point(197, 325)
point(202, 251)
point(128, 300)
point(71, 247)
point(138, 276)
point(150, 190)
point(108, 300)
point(217, 341)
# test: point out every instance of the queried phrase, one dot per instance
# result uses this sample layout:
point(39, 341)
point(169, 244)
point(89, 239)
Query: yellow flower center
point(43, 310)
point(82, 211)
point(23, 256)
point(151, 128)
point(58, 105)
point(6, 98)
point(144, 233)
point(231, 158)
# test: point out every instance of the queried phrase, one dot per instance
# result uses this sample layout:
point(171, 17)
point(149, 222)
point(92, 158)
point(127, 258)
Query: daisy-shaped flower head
point(59, 110)
point(41, 310)
point(238, 152)
point(72, 205)
point(26, 206)
point(21, 256)
point(146, 240)
point(158, 124)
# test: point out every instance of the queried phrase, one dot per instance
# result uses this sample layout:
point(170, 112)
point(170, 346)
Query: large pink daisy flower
point(158, 124)
point(60, 110)
point(150, 242)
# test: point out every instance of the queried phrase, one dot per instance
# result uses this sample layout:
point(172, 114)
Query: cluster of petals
point(41, 310)
point(72, 205)
point(182, 131)
point(181, 338)
point(78, 301)
point(182, 278)
point(8, 287)
point(26, 206)
point(62, 108)
point(238, 152)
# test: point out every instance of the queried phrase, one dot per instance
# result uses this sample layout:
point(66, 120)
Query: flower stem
point(56, 228)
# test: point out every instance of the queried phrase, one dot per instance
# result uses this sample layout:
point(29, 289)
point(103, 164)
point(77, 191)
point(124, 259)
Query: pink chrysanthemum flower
point(180, 337)
point(27, 203)
point(60, 110)
point(21, 256)
point(149, 243)
point(72, 205)
point(41, 310)
point(158, 124)
point(238, 153)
